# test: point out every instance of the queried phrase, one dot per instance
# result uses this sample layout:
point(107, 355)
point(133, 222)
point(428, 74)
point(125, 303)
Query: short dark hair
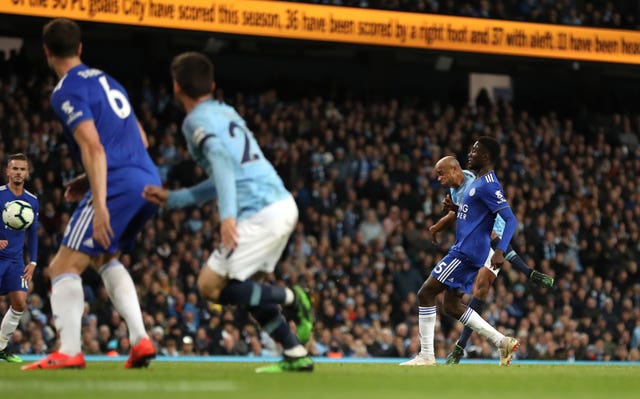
point(193, 72)
point(492, 147)
point(62, 37)
point(17, 157)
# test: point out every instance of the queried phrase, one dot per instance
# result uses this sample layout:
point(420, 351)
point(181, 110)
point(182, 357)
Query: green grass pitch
point(329, 380)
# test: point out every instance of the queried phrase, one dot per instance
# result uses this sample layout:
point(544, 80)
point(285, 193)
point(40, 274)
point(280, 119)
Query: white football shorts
point(487, 263)
point(262, 238)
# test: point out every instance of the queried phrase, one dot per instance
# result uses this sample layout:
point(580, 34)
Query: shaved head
point(449, 172)
point(448, 162)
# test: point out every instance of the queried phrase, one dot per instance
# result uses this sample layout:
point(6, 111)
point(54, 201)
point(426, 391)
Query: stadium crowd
point(604, 14)
point(362, 175)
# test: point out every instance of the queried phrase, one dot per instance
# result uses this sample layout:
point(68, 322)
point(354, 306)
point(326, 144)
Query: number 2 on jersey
point(247, 156)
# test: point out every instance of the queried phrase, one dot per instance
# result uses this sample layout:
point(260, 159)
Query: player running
point(257, 212)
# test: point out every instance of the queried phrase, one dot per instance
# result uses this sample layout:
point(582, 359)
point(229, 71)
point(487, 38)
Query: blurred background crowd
point(617, 14)
point(361, 170)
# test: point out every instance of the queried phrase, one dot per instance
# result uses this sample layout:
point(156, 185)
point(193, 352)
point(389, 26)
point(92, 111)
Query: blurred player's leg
point(296, 357)
point(10, 322)
point(124, 298)
point(251, 293)
point(541, 279)
point(67, 306)
point(304, 314)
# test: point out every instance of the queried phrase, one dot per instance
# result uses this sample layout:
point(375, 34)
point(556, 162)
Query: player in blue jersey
point(15, 273)
point(456, 272)
point(257, 212)
point(106, 137)
point(451, 175)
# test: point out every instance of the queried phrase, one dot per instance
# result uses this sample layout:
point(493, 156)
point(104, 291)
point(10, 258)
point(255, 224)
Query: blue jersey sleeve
point(493, 197)
point(32, 233)
point(510, 226)
point(71, 106)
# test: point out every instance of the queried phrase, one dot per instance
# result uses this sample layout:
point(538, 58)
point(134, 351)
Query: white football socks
point(67, 306)
point(10, 322)
point(124, 298)
point(474, 321)
point(426, 328)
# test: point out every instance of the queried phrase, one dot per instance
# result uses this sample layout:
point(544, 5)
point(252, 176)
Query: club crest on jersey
point(500, 197)
point(472, 192)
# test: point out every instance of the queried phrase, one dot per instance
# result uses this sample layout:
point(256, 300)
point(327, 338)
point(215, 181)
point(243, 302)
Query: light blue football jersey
point(476, 216)
point(220, 142)
point(457, 193)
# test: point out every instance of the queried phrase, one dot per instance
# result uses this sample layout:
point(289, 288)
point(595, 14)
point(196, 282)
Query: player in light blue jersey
point(451, 175)
point(106, 137)
point(257, 213)
point(455, 273)
point(15, 271)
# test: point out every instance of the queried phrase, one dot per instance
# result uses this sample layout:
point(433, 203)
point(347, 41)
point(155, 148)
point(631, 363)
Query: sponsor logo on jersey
point(68, 109)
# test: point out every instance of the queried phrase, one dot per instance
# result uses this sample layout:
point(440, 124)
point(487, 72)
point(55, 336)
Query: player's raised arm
point(94, 161)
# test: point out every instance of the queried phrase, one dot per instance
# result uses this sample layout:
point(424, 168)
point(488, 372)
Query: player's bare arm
point(156, 195)
point(229, 233)
point(94, 161)
point(497, 260)
point(3, 244)
point(441, 224)
point(143, 134)
point(449, 205)
point(76, 188)
point(28, 271)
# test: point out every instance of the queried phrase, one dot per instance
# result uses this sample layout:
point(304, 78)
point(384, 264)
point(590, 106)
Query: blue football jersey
point(89, 94)
point(220, 142)
point(15, 238)
point(457, 193)
point(476, 217)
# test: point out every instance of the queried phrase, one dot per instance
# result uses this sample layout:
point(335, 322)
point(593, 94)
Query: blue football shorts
point(128, 213)
point(11, 272)
point(456, 272)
